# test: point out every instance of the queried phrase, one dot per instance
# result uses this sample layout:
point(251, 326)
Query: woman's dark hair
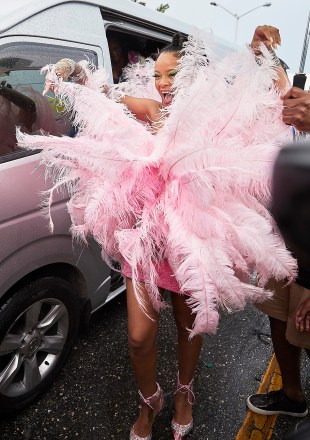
point(175, 46)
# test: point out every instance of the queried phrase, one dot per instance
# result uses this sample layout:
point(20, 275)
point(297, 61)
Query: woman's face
point(165, 70)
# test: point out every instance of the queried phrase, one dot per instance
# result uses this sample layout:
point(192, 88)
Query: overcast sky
point(290, 16)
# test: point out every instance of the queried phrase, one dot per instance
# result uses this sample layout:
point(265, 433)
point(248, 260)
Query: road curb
point(255, 426)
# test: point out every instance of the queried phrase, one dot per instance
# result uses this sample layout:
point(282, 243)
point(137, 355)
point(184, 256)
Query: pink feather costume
point(188, 205)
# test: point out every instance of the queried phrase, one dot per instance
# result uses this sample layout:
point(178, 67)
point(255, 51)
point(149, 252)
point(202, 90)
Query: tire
point(38, 325)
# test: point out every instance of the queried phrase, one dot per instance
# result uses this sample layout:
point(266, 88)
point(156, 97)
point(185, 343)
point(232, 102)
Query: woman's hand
point(267, 35)
point(65, 68)
point(105, 89)
point(49, 85)
point(302, 317)
point(62, 71)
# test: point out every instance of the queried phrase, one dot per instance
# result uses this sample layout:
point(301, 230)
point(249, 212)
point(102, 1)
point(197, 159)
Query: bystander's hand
point(296, 109)
point(302, 318)
point(267, 35)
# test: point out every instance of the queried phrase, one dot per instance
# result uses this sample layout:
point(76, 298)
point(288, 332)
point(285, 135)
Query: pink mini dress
point(166, 280)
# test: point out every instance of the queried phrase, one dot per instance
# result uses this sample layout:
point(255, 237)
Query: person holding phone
point(288, 310)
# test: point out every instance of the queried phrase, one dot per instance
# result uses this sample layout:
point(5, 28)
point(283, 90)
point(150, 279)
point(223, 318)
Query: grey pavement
point(95, 396)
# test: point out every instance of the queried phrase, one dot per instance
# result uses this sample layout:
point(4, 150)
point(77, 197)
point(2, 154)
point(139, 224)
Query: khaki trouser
point(283, 306)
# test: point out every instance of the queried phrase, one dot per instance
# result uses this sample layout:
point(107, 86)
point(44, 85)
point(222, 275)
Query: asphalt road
point(95, 397)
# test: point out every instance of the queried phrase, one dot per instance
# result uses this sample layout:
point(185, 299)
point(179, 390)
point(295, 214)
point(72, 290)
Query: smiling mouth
point(167, 98)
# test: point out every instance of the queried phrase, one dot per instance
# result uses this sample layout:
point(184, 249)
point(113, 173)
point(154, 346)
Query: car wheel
point(38, 325)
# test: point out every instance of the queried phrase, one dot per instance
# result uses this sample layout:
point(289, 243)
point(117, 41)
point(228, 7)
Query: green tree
point(140, 3)
point(163, 7)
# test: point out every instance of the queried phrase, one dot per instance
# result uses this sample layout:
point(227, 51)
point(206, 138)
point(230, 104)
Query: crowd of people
point(289, 307)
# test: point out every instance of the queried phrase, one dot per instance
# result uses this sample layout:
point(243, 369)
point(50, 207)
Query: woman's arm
point(147, 110)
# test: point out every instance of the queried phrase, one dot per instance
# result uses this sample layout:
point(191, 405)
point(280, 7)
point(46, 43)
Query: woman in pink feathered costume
point(185, 210)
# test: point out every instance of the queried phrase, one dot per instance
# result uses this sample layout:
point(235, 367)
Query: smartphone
point(299, 80)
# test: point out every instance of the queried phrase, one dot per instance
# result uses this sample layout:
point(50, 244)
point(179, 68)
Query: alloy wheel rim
point(32, 345)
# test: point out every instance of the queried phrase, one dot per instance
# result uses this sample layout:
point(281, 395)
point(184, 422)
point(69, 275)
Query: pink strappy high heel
point(151, 401)
point(181, 431)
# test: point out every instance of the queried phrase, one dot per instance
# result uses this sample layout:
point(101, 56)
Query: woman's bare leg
point(188, 355)
point(142, 332)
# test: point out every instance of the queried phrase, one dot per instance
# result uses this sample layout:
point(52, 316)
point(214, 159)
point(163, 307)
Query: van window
point(21, 86)
point(127, 48)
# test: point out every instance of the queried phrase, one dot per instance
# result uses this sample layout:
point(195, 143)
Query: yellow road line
point(256, 426)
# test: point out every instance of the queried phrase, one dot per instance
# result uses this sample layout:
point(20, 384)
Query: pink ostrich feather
point(195, 195)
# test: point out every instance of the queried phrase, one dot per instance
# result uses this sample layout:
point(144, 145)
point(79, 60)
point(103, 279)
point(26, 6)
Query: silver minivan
point(49, 285)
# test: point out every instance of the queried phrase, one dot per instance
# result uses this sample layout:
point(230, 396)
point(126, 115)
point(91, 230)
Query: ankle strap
point(151, 401)
point(186, 389)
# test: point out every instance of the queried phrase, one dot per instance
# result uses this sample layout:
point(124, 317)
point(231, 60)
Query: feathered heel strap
point(156, 399)
point(186, 389)
point(181, 431)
